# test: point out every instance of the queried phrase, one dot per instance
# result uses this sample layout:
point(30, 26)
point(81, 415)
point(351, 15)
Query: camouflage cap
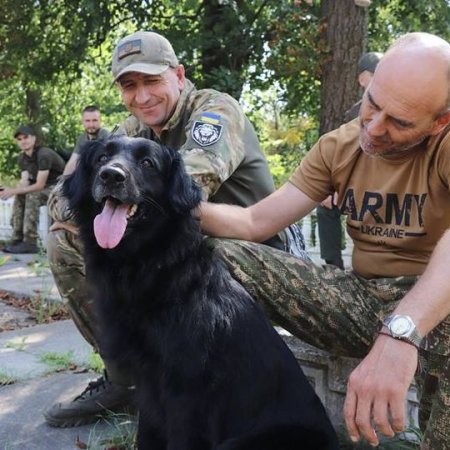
point(26, 130)
point(369, 61)
point(145, 52)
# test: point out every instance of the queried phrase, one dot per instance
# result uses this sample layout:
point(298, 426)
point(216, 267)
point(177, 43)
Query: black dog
point(210, 370)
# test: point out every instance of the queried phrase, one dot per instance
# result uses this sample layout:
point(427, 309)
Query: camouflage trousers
point(25, 215)
point(340, 312)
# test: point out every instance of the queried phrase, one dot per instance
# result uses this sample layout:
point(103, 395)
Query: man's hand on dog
point(377, 389)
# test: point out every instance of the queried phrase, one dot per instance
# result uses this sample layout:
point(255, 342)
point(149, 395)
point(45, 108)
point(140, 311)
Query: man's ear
point(440, 123)
point(181, 76)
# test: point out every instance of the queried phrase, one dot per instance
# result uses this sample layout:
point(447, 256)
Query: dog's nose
point(112, 174)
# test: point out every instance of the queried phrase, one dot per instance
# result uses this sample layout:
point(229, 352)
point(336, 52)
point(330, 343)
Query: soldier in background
point(40, 168)
point(92, 123)
point(221, 152)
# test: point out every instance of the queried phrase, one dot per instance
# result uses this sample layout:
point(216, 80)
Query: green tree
point(55, 54)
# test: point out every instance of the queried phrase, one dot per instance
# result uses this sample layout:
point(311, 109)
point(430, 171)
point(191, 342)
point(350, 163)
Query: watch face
point(400, 326)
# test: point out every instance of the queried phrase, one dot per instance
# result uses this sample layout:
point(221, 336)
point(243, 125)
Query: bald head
point(421, 64)
point(407, 99)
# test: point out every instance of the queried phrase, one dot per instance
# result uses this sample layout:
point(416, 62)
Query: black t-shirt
point(42, 158)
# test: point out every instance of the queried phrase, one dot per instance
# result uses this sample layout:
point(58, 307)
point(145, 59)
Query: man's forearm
point(225, 221)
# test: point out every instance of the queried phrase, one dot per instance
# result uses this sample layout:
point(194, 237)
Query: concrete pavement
point(28, 360)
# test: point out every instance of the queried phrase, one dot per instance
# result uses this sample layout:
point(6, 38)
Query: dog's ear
point(184, 194)
point(76, 186)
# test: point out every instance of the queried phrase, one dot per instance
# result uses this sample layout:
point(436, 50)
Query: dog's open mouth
point(111, 223)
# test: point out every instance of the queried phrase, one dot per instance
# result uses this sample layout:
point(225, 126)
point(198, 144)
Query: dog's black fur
point(210, 370)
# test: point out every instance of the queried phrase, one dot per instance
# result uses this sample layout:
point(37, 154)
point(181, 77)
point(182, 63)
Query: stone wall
point(329, 374)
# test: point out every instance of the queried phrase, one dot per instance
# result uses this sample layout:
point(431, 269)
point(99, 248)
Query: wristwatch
point(402, 327)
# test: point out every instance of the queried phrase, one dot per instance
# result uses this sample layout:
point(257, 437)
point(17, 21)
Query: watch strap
point(406, 341)
point(414, 338)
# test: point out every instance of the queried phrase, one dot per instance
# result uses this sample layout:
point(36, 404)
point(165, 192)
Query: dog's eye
point(102, 158)
point(147, 162)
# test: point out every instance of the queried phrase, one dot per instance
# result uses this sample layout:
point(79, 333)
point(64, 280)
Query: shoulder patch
point(206, 133)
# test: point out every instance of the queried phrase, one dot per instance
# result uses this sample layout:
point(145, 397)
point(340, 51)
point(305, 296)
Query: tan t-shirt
point(396, 209)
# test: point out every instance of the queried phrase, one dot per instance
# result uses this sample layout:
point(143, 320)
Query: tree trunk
point(33, 110)
point(344, 28)
point(33, 105)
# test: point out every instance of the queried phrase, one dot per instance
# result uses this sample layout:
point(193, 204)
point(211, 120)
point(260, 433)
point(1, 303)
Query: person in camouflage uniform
point(391, 172)
point(221, 152)
point(40, 168)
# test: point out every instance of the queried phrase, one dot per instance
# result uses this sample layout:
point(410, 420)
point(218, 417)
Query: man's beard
point(394, 150)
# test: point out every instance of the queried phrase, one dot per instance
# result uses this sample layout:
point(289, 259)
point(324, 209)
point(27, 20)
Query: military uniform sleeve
point(103, 134)
point(215, 141)
point(58, 205)
point(129, 127)
point(44, 159)
point(78, 144)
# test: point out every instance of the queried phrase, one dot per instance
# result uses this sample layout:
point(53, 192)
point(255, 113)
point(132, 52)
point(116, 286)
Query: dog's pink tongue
point(110, 225)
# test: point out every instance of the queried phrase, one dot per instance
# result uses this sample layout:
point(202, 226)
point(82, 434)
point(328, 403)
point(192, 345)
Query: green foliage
point(391, 18)
point(95, 363)
point(295, 55)
point(6, 378)
point(121, 434)
point(20, 346)
point(284, 139)
point(58, 361)
point(49, 37)
point(8, 159)
point(55, 56)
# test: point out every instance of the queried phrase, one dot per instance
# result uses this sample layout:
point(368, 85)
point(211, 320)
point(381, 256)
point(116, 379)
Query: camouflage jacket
point(218, 144)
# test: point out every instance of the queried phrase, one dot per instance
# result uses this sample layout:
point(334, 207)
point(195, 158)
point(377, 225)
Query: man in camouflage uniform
point(390, 169)
point(221, 152)
point(40, 167)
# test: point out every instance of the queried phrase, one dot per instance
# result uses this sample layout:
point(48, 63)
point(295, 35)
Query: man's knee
point(54, 239)
point(64, 248)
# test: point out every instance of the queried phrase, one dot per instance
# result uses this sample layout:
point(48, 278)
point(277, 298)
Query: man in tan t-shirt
point(391, 171)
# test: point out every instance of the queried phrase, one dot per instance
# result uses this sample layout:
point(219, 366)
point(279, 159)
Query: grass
point(6, 378)
point(122, 434)
point(46, 310)
point(58, 361)
point(95, 363)
point(40, 263)
point(4, 259)
point(19, 346)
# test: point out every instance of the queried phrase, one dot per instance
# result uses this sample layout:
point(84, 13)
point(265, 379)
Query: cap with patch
point(369, 61)
point(26, 130)
point(144, 52)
